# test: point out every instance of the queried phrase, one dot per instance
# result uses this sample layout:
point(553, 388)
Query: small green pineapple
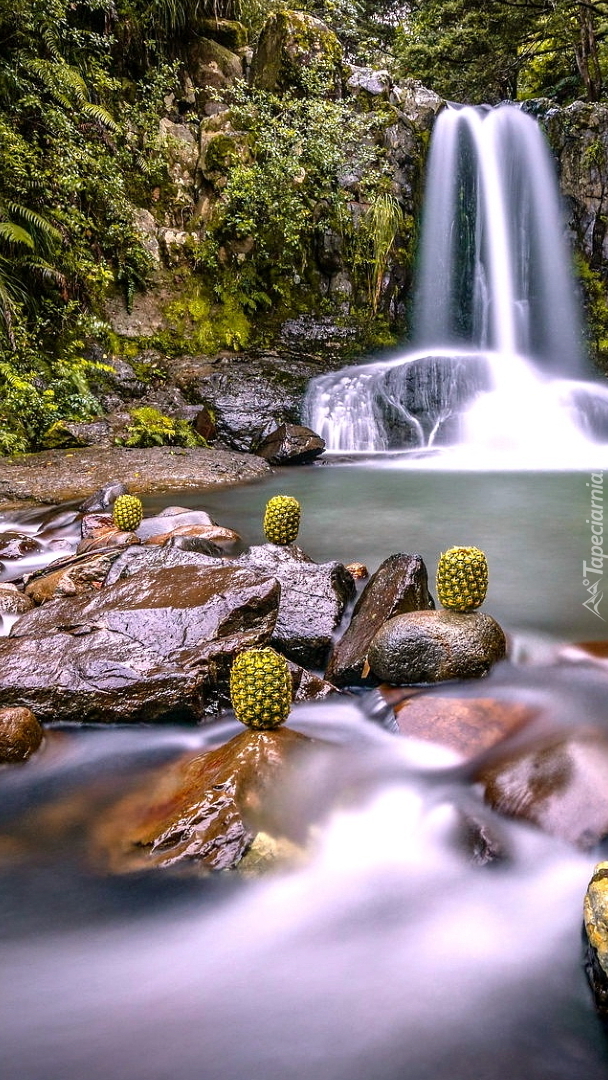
point(127, 512)
point(462, 578)
point(260, 688)
point(282, 519)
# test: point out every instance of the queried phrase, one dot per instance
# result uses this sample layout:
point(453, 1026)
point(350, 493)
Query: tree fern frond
point(14, 234)
point(35, 221)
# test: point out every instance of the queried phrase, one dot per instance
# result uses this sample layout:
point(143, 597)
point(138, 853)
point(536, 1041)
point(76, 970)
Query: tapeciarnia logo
point(593, 571)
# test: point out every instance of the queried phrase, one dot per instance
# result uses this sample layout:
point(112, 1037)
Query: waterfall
point(498, 361)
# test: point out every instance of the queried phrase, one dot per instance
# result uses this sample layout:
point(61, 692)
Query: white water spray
point(499, 364)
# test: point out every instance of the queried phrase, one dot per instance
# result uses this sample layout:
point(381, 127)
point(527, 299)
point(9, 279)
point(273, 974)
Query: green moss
point(202, 325)
point(595, 297)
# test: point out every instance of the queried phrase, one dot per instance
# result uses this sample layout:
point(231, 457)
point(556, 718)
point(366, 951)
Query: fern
point(14, 234)
point(100, 115)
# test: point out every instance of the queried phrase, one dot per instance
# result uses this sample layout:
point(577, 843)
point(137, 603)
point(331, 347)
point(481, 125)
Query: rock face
point(430, 646)
point(291, 444)
point(20, 735)
point(313, 599)
point(399, 585)
point(150, 648)
point(560, 785)
point(73, 576)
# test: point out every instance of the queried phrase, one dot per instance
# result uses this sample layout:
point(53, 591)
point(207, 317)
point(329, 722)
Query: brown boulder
point(155, 646)
point(20, 734)
point(203, 811)
point(467, 725)
point(399, 585)
point(559, 784)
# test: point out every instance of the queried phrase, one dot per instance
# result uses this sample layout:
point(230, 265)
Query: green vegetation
point(149, 427)
point(506, 49)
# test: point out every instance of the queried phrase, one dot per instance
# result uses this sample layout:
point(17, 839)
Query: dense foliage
point(506, 48)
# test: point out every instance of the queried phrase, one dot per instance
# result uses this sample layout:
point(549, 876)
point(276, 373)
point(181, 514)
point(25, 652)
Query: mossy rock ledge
point(431, 646)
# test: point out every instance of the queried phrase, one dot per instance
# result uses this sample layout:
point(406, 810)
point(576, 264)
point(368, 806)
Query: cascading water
point(498, 361)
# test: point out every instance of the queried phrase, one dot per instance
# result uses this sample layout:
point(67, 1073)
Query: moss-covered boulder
point(228, 32)
point(210, 64)
point(297, 51)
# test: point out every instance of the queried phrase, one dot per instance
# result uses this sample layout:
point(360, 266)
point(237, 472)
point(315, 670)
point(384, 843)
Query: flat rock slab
point(150, 648)
point(62, 475)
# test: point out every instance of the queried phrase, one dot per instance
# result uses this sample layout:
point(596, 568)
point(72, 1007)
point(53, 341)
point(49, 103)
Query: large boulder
point(595, 911)
point(430, 646)
point(297, 51)
point(399, 585)
point(156, 646)
point(313, 600)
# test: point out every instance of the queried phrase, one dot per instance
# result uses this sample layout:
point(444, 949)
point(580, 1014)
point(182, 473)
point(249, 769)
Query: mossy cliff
point(200, 187)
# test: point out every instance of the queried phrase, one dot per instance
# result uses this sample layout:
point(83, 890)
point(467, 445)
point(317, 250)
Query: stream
point(392, 953)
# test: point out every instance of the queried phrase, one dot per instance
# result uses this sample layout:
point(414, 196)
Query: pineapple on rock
point(462, 578)
point(260, 688)
point(127, 512)
point(282, 519)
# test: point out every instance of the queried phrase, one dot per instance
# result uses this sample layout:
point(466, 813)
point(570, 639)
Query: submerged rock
point(559, 784)
point(313, 600)
point(20, 734)
point(154, 647)
point(204, 811)
point(430, 646)
point(467, 725)
point(399, 585)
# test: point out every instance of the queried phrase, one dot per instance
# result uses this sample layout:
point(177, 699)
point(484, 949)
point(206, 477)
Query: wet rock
point(68, 433)
point(16, 546)
point(595, 916)
point(216, 538)
point(430, 646)
point(204, 424)
point(399, 585)
point(308, 686)
point(20, 735)
point(313, 599)
point(154, 647)
point(467, 725)
point(559, 784)
point(102, 500)
point(267, 853)
point(203, 811)
point(357, 570)
point(291, 444)
point(12, 600)
point(290, 44)
point(57, 476)
point(73, 576)
point(151, 557)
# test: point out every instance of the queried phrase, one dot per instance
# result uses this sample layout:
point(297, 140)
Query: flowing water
point(393, 953)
